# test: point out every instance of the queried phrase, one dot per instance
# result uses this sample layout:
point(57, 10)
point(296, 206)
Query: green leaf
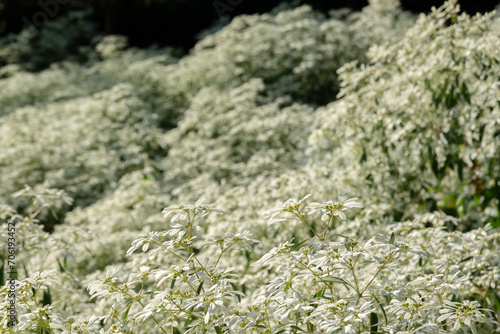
point(310, 327)
point(199, 288)
point(289, 283)
point(280, 326)
point(393, 238)
point(465, 92)
point(217, 330)
point(249, 260)
point(61, 268)
point(467, 259)
point(125, 316)
point(297, 328)
point(496, 299)
point(340, 235)
point(373, 323)
point(336, 280)
point(47, 297)
point(236, 289)
point(382, 308)
point(320, 293)
point(495, 223)
point(172, 285)
point(297, 246)
point(189, 316)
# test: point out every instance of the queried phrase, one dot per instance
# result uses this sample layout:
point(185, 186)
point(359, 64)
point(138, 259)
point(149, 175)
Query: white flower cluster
point(85, 139)
point(404, 164)
point(423, 122)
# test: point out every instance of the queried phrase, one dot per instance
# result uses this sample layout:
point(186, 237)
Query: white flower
point(330, 208)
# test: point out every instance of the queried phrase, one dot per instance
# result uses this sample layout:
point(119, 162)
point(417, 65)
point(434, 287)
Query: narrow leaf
point(373, 323)
point(289, 283)
point(47, 297)
point(297, 328)
point(249, 260)
point(61, 268)
point(321, 293)
point(496, 299)
point(335, 280)
point(199, 288)
point(189, 316)
point(235, 288)
point(297, 246)
point(125, 316)
point(467, 259)
point(382, 308)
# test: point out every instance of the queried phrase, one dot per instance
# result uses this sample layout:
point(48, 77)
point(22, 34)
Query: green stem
point(222, 252)
point(305, 221)
point(356, 282)
point(376, 274)
point(187, 312)
point(307, 267)
point(327, 226)
point(152, 316)
point(268, 321)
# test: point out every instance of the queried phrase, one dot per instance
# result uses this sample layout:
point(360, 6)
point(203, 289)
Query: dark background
point(177, 22)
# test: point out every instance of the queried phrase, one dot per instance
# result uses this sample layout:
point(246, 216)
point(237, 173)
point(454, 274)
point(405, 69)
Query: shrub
point(82, 129)
point(422, 121)
point(65, 38)
point(411, 280)
point(191, 129)
point(295, 52)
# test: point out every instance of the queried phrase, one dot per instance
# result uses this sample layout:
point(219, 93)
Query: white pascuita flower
point(349, 329)
point(290, 205)
point(460, 314)
point(330, 208)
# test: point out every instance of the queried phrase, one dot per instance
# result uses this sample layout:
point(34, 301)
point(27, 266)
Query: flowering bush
point(403, 165)
point(412, 280)
point(98, 124)
point(295, 52)
point(423, 122)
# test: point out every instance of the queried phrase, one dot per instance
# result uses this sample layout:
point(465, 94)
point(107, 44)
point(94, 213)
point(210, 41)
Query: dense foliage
point(385, 144)
point(35, 49)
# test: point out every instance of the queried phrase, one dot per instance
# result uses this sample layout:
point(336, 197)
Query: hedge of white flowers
point(233, 190)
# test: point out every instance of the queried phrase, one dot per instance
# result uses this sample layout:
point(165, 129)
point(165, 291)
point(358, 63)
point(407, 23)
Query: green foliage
point(64, 38)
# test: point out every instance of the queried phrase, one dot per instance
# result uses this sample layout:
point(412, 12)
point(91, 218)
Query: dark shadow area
point(174, 22)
